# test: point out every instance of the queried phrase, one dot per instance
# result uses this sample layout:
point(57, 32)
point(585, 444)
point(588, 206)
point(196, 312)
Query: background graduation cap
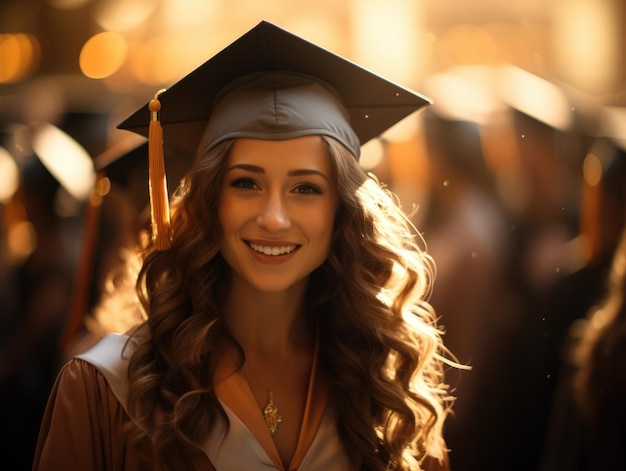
point(372, 103)
point(126, 167)
point(116, 215)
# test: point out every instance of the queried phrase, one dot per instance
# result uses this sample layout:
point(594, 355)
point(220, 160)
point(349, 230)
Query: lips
point(273, 251)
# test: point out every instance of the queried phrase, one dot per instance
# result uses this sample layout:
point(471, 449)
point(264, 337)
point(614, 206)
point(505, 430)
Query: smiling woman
point(276, 210)
point(286, 316)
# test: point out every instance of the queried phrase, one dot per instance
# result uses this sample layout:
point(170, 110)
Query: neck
point(269, 324)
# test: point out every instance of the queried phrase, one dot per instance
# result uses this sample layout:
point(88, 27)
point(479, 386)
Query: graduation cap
point(268, 84)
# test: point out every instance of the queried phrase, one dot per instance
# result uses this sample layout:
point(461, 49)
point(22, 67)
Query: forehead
point(291, 154)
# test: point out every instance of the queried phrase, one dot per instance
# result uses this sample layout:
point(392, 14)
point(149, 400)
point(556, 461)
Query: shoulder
point(83, 421)
point(110, 356)
point(109, 352)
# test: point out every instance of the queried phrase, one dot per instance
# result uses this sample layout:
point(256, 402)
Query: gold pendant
point(271, 415)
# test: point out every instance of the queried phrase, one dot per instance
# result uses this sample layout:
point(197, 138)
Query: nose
point(274, 215)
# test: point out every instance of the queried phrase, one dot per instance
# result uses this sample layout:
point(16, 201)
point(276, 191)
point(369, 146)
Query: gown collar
point(235, 394)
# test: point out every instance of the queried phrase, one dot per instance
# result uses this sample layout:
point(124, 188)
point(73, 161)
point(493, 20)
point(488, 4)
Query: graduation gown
point(82, 425)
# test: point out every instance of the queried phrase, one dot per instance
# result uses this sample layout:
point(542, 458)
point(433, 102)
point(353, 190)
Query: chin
point(270, 285)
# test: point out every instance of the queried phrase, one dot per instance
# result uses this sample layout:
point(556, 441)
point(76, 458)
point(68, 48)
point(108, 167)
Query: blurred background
point(515, 177)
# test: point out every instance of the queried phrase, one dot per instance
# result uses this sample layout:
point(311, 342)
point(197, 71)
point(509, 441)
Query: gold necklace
point(271, 414)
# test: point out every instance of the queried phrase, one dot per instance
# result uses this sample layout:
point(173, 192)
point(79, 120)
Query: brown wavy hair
point(380, 348)
point(600, 382)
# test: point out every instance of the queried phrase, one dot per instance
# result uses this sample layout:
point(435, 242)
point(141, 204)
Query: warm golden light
point(388, 39)
point(468, 44)
point(588, 43)
point(66, 160)
point(103, 54)
point(183, 14)
point(464, 93)
point(535, 97)
point(103, 187)
point(9, 175)
point(124, 15)
point(21, 240)
point(613, 124)
point(19, 56)
point(372, 153)
point(68, 4)
point(592, 169)
point(404, 130)
point(158, 61)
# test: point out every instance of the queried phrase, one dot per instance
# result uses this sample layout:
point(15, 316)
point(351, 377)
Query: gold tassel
point(159, 200)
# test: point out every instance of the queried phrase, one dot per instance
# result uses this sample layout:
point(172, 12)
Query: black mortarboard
point(373, 103)
point(272, 84)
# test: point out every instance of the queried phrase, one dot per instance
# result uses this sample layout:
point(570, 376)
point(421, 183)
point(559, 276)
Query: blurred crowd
point(522, 212)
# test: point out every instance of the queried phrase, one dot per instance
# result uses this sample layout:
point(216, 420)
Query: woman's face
point(277, 207)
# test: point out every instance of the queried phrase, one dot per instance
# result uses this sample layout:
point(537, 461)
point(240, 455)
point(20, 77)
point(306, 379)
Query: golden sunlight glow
point(592, 169)
point(68, 4)
point(372, 153)
point(182, 14)
point(103, 187)
point(159, 61)
point(66, 160)
point(103, 54)
point(21, 240)
point(124, 15)
point(404, 130)
point(387, 39)
point(619, 264)
point(468, 44)
point(535, 97)
point(613, 124)
point(587, 42)
point(20, 55)
point(464, 93)
point(9, 175)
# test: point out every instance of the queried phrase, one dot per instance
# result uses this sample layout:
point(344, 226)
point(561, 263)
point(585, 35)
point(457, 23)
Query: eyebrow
point(291, 173)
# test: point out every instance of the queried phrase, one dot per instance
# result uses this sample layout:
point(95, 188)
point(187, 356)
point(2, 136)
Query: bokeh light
point(20, 55)
point(159, 60)
point(592, 169)
point(21, 240)
point(9, 175)
point(103, 54)
point(68, 4)
point(535, 96)
point(123, 15)
point(66, 160)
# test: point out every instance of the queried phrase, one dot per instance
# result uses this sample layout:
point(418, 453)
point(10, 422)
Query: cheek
point(322, 224)
point(226, 214)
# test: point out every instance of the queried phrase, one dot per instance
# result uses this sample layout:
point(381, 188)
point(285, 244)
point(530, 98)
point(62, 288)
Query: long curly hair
point(600, 382)
point(380, 347)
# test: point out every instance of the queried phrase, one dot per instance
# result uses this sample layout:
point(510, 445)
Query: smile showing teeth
point(265, 250)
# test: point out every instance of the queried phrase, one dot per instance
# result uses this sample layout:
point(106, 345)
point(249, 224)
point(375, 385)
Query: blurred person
point(286, 316)
point(120, 214)
point(464, 227)
point(42, 276)
point(600, 384)
point(542, 238)
point(42, 283)
point(569, 441)
point(539, 183)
